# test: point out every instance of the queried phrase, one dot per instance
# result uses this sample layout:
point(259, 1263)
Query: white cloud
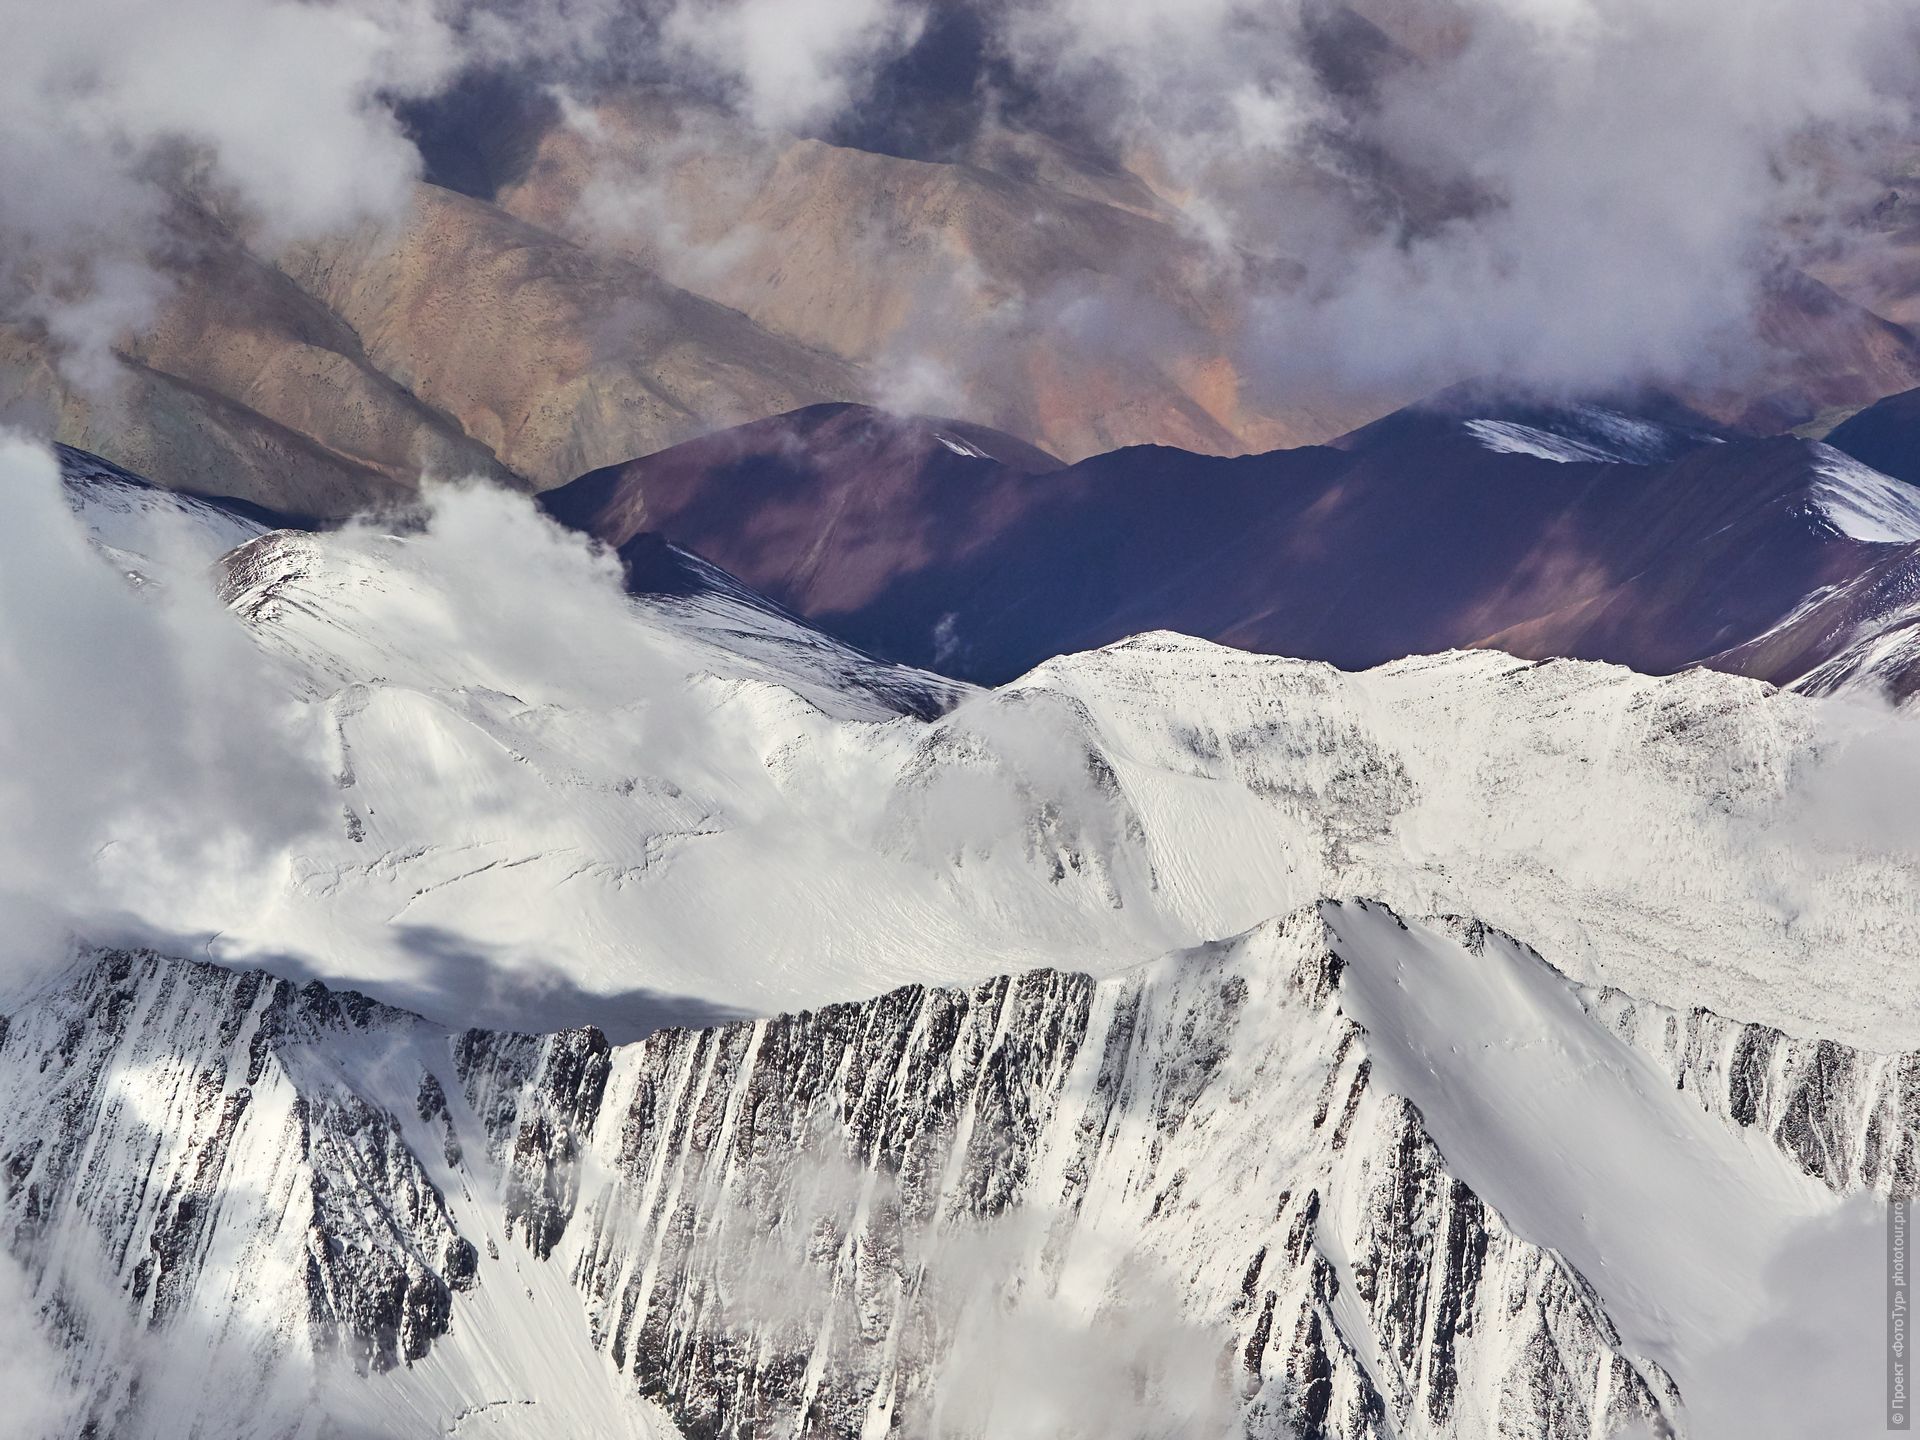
point(1105, 1352)
point(150, 762)
point(40, 1405)
point(1572, 193)
point(790, 63)
point(1606, 182)
point(1815, 1360)
point(1578, 192)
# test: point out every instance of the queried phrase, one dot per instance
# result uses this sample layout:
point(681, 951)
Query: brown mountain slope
point(1035, 288)
point(460, 341)
point(1875, 262)
point(1826, 353)
point(826, 505)
point(245, 383)
point(652, 272)
point(1025, 285)
point(556, 359)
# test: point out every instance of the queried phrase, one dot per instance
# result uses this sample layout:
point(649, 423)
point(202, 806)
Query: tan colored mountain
point(1038, 290)
point(1826, 355)
point(1877, 265)
point(1035, 288)
point(638, 272)
point(246, 385)
point(556, 359)
point(459, 341)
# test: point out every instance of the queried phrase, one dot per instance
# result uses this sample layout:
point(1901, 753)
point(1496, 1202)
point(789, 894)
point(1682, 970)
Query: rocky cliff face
point(184, 1155)
point(1847, 1117)
point(793, 1223)
point(1180, 1200)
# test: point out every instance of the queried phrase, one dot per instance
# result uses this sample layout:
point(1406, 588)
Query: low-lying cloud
point(150, 761)
point(788, 63)
point(41, 1405)
point(1625, 173)
point(161, 770)
point(1566, 193)
point(174, 775)
point(1028, 1323)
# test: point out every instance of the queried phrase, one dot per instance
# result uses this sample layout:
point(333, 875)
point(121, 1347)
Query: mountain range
point(688, 1023)
point(570, 286)
point(735, 719)
point(1647, 537)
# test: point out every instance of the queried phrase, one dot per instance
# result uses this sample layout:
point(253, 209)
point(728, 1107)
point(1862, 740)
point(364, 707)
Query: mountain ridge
point(1656, 542)
point(473, 1149)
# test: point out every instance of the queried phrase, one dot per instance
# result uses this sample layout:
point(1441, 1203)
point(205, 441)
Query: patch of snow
point(1585, 433)
point(961, 447)
point(1861, 503)
point(1505, 437)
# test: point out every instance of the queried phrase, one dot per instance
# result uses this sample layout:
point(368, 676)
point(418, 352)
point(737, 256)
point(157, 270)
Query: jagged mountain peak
point(435, 1199)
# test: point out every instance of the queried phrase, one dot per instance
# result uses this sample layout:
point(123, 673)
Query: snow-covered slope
point(1858, 633)
point(130, 516)
point(1650, 429)
point(1573, 434)
point(1862, 504)
point(1689, 837)
point(352, 606)
point(232, 1197)
point(638, 814)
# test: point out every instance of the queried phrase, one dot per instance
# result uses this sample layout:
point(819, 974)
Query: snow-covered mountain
point(1339, 1176)
point(128, 516)
point(692, 812)
point(557, 805)
point(675, 1021)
